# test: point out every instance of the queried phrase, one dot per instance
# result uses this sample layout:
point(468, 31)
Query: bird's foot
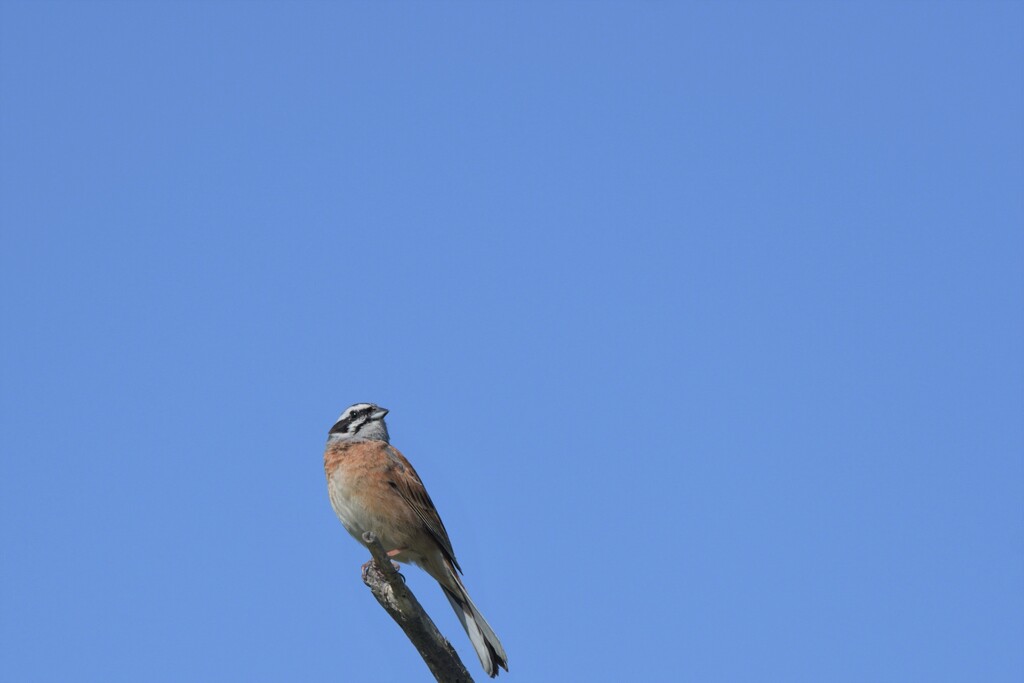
point(394, 565)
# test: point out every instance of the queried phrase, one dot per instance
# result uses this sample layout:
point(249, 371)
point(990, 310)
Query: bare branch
point(388, 586)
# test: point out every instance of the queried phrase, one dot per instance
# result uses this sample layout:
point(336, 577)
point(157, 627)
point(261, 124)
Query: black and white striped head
point(361, 421)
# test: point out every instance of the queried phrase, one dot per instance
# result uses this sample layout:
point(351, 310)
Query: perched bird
point(374, 488)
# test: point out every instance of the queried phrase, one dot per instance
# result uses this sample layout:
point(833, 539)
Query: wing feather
point(405, 480)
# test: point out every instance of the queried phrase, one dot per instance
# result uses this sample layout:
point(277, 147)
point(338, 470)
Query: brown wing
point(403, 478)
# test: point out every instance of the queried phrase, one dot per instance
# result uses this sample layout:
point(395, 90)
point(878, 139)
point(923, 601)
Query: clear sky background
point(702, 322)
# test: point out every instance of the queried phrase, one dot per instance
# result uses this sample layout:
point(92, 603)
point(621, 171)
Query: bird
point(373, 487)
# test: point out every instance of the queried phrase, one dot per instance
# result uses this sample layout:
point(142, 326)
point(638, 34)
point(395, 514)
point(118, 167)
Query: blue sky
point(702, 323)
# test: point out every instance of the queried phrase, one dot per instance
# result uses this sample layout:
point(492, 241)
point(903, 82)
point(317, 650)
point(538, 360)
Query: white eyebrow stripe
point(353, 409)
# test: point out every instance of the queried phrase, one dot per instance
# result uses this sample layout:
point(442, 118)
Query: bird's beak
point(381, 412)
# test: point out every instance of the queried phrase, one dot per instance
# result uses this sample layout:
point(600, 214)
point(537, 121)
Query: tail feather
point(485, 642)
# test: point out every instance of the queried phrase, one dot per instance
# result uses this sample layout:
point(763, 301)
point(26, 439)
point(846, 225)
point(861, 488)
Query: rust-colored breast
point(333, 456)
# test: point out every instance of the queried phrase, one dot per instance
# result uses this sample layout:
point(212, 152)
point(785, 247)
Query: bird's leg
point(392, 554)
point(370, 538)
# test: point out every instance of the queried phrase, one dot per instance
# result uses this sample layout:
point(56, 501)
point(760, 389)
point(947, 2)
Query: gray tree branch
point(388, 586)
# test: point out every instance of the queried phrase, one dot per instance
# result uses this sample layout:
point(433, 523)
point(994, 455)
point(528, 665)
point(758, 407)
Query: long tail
point(488, 647)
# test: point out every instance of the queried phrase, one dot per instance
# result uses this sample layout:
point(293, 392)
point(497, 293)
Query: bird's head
point(361, 421)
